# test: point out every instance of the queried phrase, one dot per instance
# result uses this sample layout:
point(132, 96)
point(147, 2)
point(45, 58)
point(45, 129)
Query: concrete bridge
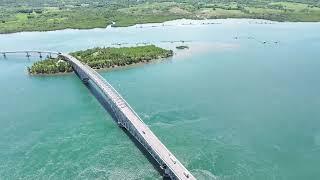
point(127, 118)
point(28, 53)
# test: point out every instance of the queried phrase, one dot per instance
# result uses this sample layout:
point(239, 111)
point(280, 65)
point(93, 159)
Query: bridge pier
point(29, 53)
point(85, 80)
point(120, 124)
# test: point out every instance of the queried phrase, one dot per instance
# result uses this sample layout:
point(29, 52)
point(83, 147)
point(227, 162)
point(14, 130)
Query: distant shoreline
point(147, 25)
point(31, 15)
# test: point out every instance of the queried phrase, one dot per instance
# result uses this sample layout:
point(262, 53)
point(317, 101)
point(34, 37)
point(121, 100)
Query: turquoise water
point(227, 108)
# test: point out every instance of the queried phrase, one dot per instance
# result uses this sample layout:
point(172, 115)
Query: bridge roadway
point(127, 118)
point(130, 120)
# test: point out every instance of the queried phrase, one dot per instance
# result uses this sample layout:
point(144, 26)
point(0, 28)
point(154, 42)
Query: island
point(35, 15)
point(102, 58)
point(182, 47)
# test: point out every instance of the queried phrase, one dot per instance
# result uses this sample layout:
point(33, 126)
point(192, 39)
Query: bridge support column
point(120, 124)
point(85, 80)
point(49, 56)
point(165, 169)
point(28, 55)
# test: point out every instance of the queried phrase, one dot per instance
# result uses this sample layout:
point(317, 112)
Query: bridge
point(28, 53)
point(126, 118)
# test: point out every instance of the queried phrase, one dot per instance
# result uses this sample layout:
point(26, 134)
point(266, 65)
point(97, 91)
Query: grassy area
point(182, 47)
point(32, 15)
point(50, 19)
point(99, 58)
point(124, 21)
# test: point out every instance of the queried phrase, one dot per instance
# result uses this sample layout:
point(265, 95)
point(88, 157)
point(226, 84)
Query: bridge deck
point(156, 146)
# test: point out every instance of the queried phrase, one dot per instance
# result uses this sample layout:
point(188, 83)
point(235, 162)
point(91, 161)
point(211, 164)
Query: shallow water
point(227, 108)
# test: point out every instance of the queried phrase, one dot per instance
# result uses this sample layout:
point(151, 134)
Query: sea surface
point(243, 102)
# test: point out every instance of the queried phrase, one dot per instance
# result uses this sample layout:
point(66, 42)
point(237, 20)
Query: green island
point(102, 58)
point(45, 15)
point(182, 47)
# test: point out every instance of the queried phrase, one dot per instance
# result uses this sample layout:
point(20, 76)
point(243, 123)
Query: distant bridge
point(28, 53)
point(126, 117)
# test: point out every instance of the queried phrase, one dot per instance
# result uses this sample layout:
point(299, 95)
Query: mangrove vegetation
point(182, 47)
point(50, 66)
point(100, 58)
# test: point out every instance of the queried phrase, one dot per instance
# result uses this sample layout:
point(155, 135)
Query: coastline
point(167, 23)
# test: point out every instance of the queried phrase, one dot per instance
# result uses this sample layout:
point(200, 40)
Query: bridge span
point(127, 118)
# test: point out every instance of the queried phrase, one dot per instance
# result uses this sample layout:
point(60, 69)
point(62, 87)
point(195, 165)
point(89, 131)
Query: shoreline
point(161, 24)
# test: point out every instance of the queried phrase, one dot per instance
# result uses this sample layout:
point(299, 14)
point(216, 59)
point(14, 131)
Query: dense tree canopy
point(98, 58)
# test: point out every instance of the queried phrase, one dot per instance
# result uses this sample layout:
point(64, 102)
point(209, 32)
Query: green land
point(182, 47)
point(101, 58)
point(34, 15)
